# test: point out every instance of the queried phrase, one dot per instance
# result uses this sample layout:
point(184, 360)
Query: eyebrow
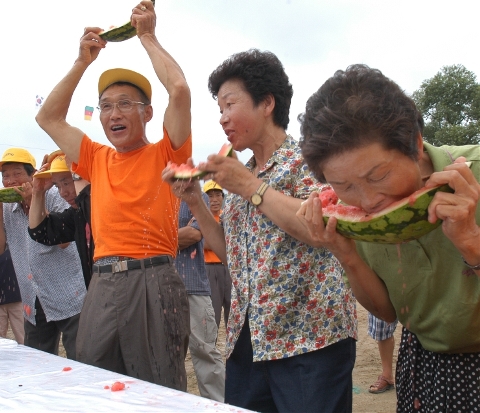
point(365, 175)
point(122, 96)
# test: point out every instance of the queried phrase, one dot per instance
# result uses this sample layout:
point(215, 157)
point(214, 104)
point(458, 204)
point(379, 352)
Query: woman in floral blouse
point(292, 326)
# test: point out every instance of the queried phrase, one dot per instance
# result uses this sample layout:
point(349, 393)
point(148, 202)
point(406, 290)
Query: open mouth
point(116, 128)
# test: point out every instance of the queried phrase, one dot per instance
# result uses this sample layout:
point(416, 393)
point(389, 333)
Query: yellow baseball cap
point(111, 76)
point(59, 164)
point(18, 155)
point(211, 185)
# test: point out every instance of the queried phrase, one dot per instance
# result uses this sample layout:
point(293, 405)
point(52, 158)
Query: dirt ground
point(367, 368)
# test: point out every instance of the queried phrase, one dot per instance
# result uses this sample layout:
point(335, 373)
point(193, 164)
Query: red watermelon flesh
point(184, 171)
point(401, 221)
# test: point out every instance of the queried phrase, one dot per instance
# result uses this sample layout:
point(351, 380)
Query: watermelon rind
point(9, 195)
point(407, 221)
point(194, 173)
point(119, 34)
point(188, 175)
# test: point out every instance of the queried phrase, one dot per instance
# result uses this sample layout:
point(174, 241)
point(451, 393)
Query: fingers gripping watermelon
point(401, 221)
point(184, 171)
point(120, 33)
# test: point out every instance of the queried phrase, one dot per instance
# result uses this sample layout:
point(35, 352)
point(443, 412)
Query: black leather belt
point(214, 263)
point(126, 265)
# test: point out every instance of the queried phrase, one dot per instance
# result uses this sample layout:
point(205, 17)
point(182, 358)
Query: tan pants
point(12, 312)
point(137, 323)
point(206, 357)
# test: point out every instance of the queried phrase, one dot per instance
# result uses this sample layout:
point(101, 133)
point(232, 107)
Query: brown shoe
point(381, 385)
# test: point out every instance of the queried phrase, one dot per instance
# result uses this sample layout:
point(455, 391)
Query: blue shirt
point(51, 273)
point(190, 261)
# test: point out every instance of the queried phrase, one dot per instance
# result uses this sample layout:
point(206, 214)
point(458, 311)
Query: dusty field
point(367, 368)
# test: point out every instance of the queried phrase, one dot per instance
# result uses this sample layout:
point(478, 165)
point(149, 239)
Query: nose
point(116, 113)
point(371, 200)
point(63, 192)
point(223, 118)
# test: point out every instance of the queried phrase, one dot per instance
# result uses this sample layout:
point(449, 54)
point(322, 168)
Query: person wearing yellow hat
point(134, 219)
point(72, 224)
point(217, 271)
point(50, 278)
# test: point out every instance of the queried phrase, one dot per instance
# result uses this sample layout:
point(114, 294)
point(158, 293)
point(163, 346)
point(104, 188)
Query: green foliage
point(450, 104)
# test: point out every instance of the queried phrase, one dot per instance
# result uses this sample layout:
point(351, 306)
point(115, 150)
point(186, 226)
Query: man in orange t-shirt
point(220, 280)
point(135, 319)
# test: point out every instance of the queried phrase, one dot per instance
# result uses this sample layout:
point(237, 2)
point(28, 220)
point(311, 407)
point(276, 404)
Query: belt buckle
point(119, 266)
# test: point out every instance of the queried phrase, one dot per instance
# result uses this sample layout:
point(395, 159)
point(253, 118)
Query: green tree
point(450, 104)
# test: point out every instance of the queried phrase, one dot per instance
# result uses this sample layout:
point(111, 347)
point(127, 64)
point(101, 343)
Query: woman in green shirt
point(363, 135)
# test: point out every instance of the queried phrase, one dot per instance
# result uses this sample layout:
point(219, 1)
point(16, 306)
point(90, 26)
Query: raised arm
point(177, 118)
point(52, 115)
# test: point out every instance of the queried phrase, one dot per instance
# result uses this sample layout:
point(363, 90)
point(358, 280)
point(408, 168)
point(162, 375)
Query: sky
point(409, 41)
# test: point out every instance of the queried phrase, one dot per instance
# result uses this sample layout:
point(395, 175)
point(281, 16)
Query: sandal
point(381, 385)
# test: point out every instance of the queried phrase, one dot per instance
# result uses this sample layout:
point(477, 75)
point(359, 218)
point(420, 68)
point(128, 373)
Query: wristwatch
point(257, 197)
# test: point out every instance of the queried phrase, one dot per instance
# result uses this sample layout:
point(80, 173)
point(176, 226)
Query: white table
point(32, 380)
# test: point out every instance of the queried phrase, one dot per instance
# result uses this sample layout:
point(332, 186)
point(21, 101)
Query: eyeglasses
point(123, 105)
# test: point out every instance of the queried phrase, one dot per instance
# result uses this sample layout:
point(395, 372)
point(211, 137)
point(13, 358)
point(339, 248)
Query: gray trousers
point(221, 286)
point(206, 358)
point(137, 323)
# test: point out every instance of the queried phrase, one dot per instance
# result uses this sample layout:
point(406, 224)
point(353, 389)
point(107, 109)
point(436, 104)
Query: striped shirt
point(51, 273)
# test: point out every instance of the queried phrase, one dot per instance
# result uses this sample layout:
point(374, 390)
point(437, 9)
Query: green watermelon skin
point(8, 195)
point(119, 34)
point(402, 224)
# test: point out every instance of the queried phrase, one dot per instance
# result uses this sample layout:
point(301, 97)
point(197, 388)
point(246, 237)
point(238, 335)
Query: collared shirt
point(294, 294)
point(190, 262)
point(49, 272)
point(435, 295)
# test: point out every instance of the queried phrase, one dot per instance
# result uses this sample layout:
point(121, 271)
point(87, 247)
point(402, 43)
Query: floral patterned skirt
point(436, 382)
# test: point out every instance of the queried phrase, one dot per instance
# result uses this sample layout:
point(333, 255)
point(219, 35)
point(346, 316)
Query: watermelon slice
point(402, 221)
point(8, 195)
point(120, 33)
point(186, 172)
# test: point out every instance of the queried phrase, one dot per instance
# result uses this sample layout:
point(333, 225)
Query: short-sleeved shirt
point(190, 262)
point(51, 273)
point(210, 256)
point(435, 295)
point(295, 295)
point(9, 289)
point(134, 213)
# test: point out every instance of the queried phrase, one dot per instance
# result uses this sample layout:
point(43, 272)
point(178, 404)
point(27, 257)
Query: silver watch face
point(256, 199)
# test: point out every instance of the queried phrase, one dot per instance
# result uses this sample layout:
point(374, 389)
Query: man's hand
point(144, 18)
point(90, 45)
point(187, 190)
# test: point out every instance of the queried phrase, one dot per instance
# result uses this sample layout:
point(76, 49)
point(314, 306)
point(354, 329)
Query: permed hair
point(355, 108)
point(262, 75)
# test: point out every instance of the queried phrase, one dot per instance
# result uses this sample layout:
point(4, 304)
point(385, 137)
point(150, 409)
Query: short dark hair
point(262, 75)
point(143, 96)
point(354, 108)
point(28, 167)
